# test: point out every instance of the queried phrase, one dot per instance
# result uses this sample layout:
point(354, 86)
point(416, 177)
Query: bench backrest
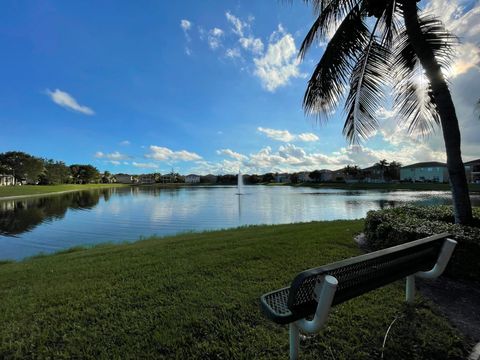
point(364, 273)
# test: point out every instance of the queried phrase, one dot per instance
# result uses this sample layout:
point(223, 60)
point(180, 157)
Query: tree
point(22, 165)
point(56, 172)
point(371, 48)
point(393, 171)
point(84, 174)
point(316, 175)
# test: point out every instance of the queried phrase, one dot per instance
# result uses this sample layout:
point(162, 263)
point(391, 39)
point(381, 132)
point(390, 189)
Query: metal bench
point(313, 292)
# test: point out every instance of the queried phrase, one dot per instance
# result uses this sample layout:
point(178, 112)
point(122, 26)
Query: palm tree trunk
point(446, 110)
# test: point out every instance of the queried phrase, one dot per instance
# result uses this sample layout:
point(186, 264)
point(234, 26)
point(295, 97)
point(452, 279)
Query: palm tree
point(382, 164)
point(381, 42)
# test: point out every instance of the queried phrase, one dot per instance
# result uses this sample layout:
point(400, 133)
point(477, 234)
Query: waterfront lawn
point(196, 296)
point(29, 190)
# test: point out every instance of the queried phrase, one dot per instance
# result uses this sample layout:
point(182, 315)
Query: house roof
point(193, 175)
point(425, 164)
point(473, 162)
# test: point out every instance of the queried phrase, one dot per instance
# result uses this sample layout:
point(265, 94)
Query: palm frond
point(413, 100)
point(367, 88)
point(389, 24)
point(330, 14)
point(330, 77)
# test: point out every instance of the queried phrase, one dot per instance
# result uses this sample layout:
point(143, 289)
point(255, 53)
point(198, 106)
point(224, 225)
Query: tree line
point(30, 169)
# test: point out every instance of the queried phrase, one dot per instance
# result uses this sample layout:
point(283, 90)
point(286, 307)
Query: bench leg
point(294, 341)
point(410, 289)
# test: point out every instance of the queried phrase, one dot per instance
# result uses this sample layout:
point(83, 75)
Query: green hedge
point(385, 228)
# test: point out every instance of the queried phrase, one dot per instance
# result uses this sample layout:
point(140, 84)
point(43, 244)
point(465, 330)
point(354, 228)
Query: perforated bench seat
point(314, 291)
point(355, 276)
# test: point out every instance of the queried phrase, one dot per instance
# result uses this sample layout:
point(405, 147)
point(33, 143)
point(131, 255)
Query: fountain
point(240, 184)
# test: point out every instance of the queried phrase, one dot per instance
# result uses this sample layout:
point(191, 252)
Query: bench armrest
point(442, 261)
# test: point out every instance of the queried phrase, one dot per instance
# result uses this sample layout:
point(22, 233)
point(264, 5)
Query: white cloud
point(233, 53)
point(185, 24)
point(67, 101)
point(125, 143)
point(215, 38)
point(165, 154)
point(286, 136)
point(279, 64)
point(145, 165)
point(114, 162)
point(112, 156)
point(232, 154)
point(466, 25)
point(253, 44)
point(238, 25)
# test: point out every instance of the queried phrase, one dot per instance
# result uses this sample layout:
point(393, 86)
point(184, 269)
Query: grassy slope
point(27, 190)
point(196, 296)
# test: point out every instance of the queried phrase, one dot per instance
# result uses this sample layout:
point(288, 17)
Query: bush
point(390, 227)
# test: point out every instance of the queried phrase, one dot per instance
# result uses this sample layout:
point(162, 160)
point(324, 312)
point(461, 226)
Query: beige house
point(146, 179)
point(124, 179)
point(7, 180)
point(192, 179)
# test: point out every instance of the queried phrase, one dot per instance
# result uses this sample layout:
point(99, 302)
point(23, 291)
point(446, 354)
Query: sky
point(197, 87)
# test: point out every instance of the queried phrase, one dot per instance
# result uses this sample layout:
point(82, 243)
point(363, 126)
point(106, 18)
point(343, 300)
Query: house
point(192, 179)
point(6, 180)
point(146, 179)
point(337, 175)
point(304, 176)
point(374, 174)
point(472, 169)
point(169, 178)
point(431, 171)
point(282, 178)
point(124, 179)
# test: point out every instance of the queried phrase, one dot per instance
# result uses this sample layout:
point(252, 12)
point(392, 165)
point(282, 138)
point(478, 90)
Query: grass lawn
point(196, 296)
point(28, 190)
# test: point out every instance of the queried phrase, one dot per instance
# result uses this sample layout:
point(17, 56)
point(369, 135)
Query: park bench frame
point(313, 292)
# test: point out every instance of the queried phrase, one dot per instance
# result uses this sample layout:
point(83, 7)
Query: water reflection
point(19, 216)
point(49, 224)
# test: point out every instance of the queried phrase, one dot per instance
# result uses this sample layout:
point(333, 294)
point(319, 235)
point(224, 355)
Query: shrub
point(390, 227)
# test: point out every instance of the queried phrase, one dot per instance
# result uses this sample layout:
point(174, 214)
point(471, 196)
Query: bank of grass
point(34, 190)
point(196, 296)
point(373, 186)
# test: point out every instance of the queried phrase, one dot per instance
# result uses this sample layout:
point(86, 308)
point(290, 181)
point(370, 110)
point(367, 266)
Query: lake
point(52, 223)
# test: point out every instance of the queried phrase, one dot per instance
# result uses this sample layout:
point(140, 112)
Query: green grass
point(400, 186)
point(29, 190)
point(196, 296)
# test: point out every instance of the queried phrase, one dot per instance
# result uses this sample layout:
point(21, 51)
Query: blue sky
point(210, 86)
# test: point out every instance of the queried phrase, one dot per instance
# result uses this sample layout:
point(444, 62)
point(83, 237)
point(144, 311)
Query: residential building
point(192, 179)
point(282, 178)
point(6, 180)
point(169, 178)
point(472, 169)
point(374, 174)
point(431, 171)
point(124, 179)
point(337, 175)
point(304, 176)
point(146, 179)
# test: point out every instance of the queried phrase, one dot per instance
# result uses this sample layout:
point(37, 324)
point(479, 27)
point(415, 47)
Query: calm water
point(49, 224)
